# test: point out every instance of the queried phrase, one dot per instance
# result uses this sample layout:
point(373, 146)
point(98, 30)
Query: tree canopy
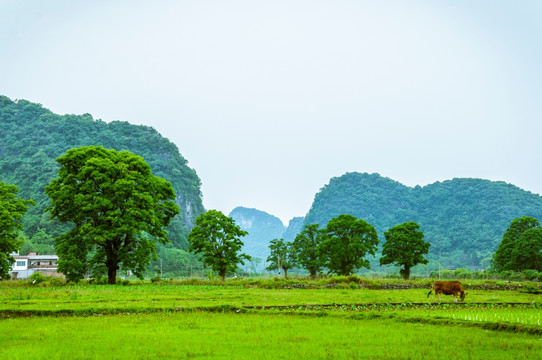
point(514, 251)
point(217, 239)
point(307, 247)
point(117, 209)
point(527, 252)
point(404, 246)
point(346, 241)
point(12, 209)
point(281, 257)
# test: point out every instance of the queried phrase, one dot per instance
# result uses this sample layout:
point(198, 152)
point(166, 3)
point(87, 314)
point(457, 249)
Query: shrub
point(98, 280)
point(37, 278)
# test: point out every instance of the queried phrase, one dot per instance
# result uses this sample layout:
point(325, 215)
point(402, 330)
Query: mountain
point(261, 227)
point(32, 137)
point(464, 219)
point(295, 226)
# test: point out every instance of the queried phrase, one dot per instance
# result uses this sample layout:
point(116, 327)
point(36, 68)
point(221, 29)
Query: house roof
point(37, 257)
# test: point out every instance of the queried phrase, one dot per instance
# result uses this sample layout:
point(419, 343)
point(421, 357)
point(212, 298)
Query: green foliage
point(464, 219)
point(32, 137)
point(117, 208)
point(306, 247)
point(405, 247)
point(345, 242)
point(41, 242)
point(37, 278)
point(217, 238)
point(12, 209)
point(527, 252)
point(520, 246)
point(282, 256)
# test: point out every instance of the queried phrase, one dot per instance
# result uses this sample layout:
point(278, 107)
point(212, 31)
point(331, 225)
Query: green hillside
point(464, 219)
point(32, 137)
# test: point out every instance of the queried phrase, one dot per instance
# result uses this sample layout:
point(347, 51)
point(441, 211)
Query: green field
point(244, 321)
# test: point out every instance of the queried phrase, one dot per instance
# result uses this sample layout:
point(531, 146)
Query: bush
point(37, 278)
point(98, 280)
point(531, 275)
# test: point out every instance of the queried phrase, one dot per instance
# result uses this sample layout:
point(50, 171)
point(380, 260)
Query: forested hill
point(32, 137)
point(464, 219)
point(261, 227)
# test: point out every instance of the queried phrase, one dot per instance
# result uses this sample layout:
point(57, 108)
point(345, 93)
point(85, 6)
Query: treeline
point(463, 219)
point(343, 248)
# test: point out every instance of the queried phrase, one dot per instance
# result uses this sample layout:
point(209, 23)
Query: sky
point(268, 100)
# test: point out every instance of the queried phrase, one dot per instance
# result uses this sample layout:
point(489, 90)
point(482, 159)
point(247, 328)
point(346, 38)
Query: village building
point(26, 265)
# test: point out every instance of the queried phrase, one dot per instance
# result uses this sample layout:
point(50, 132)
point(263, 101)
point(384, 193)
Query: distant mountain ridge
point(463, 218)
point(261, 227)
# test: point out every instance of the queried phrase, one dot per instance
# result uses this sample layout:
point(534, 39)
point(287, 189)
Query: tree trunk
point(112, 275)
point(112, 263)
point(405, 272)
point(285, 273)
point(223, 276)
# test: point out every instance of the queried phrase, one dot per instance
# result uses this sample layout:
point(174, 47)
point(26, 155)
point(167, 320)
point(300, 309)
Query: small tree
point(306, 247)
point(281, 257)
point(405, 247)
point(217, 238)
point(117, 207)
point(12, 209)
point(346, 241)
point(502, 259)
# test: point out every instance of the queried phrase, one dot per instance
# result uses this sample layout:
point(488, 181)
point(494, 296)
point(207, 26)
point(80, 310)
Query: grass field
point(176, 321)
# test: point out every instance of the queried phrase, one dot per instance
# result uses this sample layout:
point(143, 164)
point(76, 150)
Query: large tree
point(405, 247)
point(12, 209)
point(281, 256)
point(527, 252)
point(218, 239)
point(306, 246)
point(502, 259)
point(118, 210)
point(346, 242)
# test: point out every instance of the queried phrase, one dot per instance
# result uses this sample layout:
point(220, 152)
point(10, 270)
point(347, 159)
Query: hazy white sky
point(268, 100)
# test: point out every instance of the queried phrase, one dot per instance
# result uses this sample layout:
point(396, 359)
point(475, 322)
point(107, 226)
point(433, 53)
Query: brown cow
point(448, 288)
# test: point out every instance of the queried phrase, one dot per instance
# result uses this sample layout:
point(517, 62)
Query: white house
point(26, 265)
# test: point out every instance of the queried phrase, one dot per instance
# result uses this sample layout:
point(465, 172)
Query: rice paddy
point(210, 321)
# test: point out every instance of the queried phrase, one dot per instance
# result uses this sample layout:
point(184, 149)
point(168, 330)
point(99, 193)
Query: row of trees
point(118, 211)
point(342, 245)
